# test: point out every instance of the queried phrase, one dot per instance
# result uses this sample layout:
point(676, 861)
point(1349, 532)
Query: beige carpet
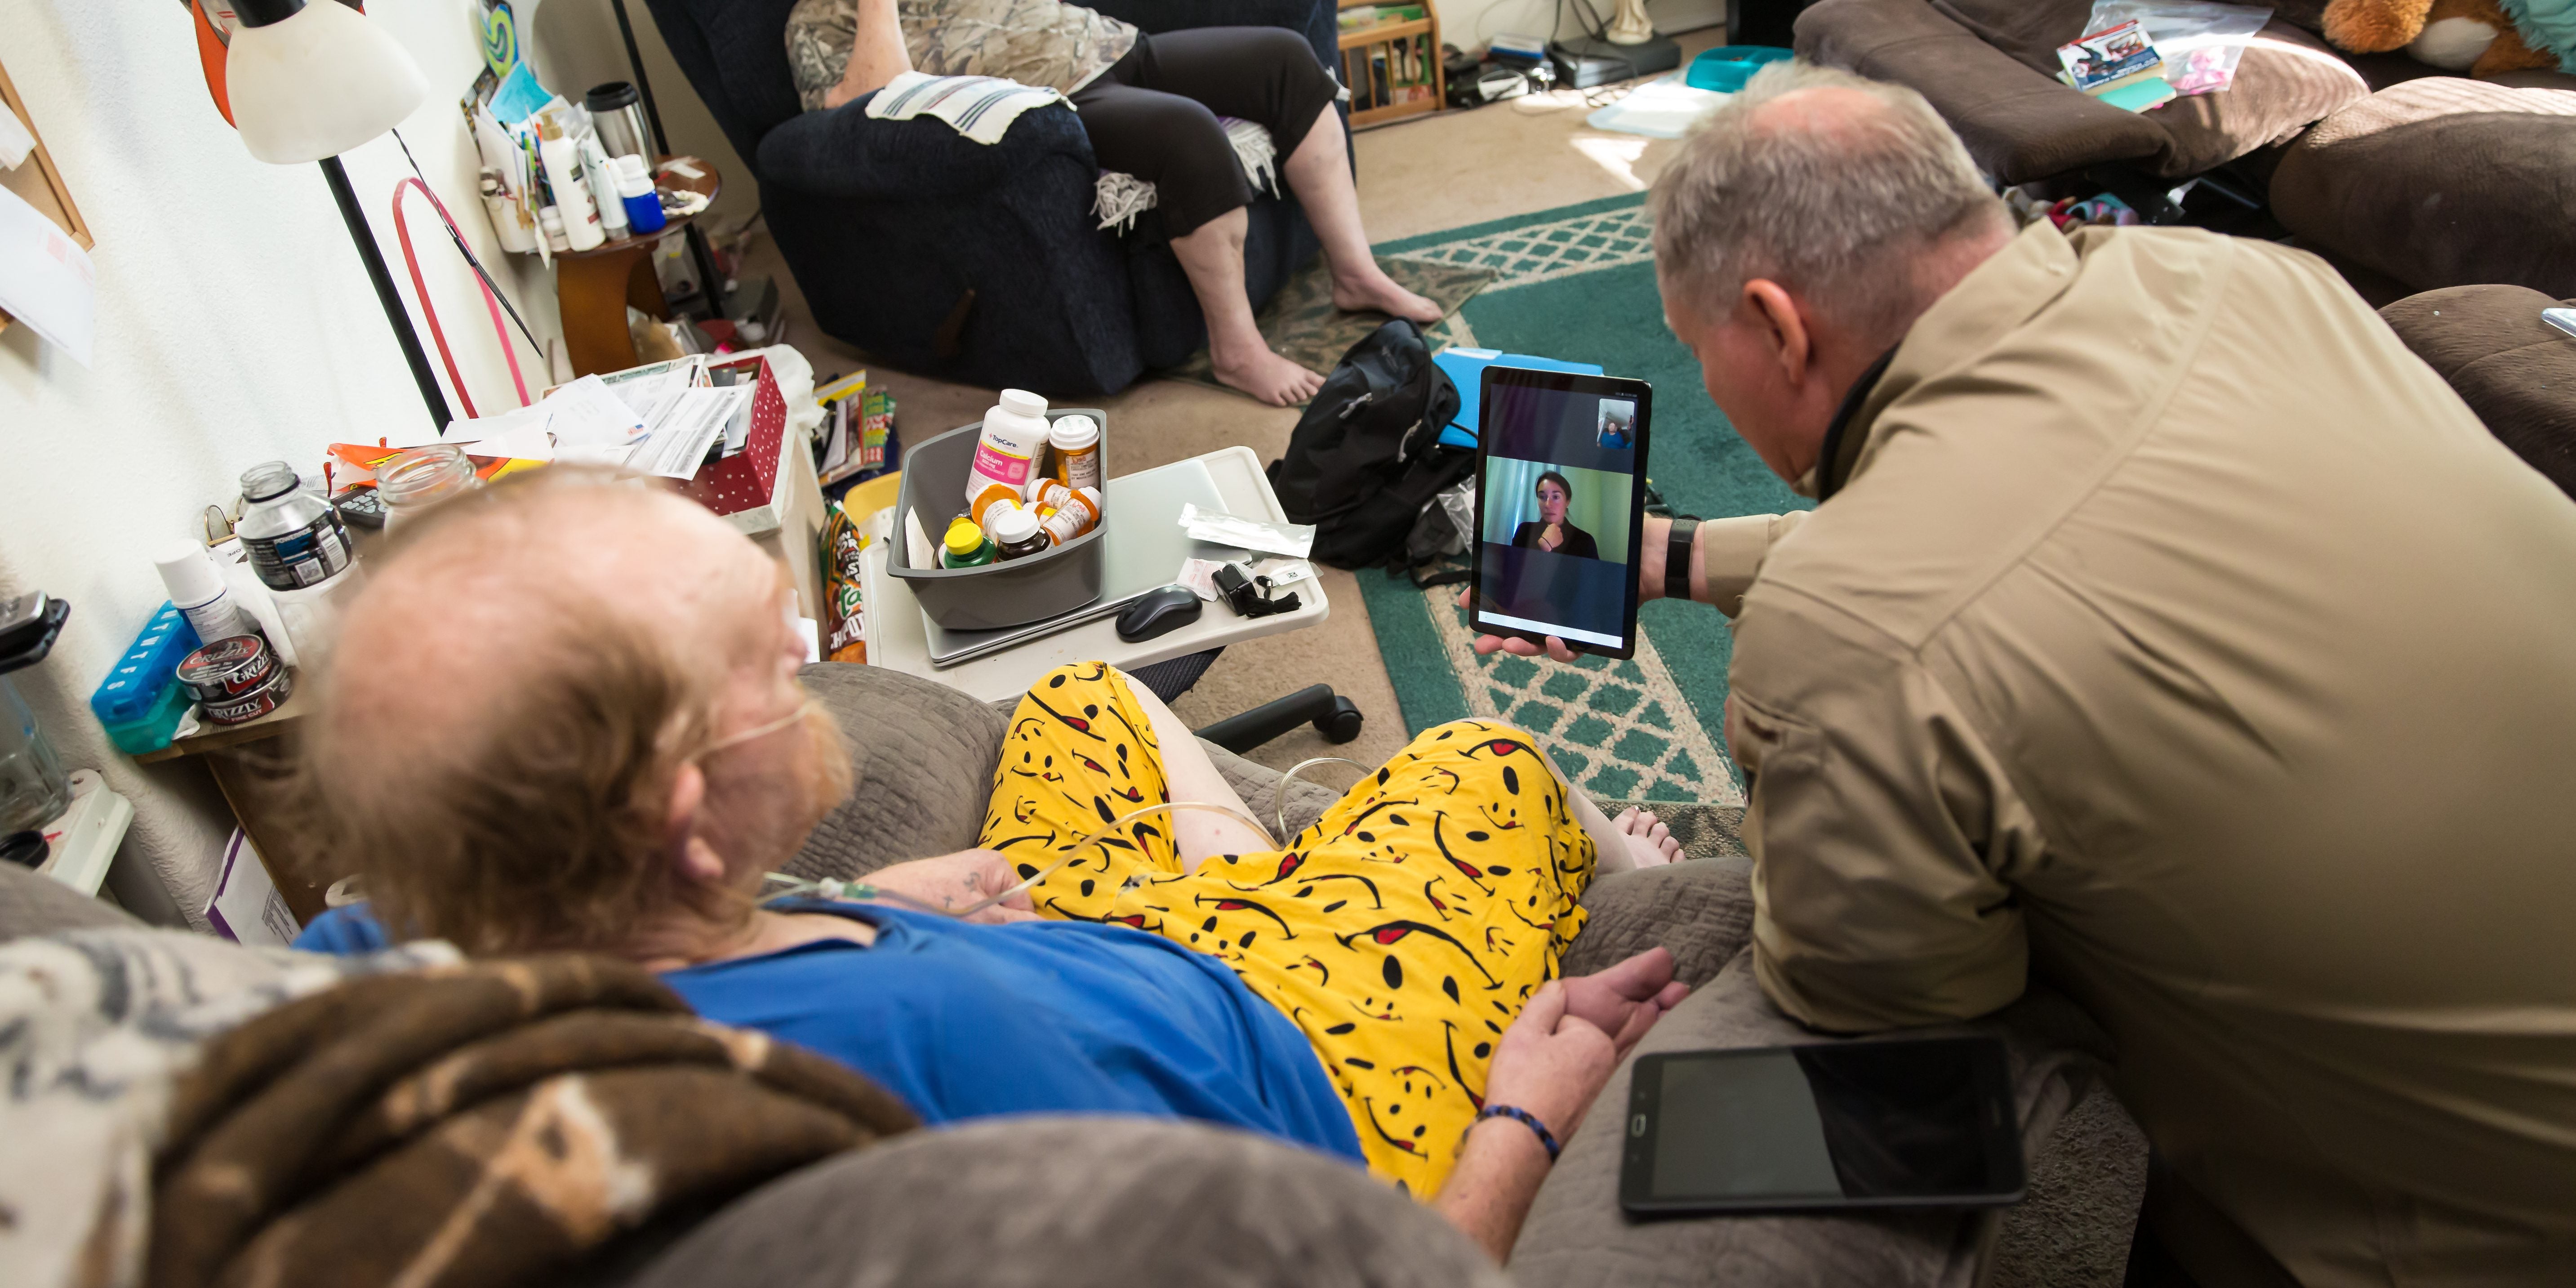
point(1420, 175)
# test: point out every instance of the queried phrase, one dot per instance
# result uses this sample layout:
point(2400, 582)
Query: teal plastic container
point(1726, 68)
point(142, 701)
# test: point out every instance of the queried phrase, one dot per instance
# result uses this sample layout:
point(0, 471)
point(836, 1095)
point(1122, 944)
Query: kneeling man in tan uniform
point(2166, 628)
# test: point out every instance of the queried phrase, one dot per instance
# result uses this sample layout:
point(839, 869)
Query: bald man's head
point(1837, 187)
point(517, 690)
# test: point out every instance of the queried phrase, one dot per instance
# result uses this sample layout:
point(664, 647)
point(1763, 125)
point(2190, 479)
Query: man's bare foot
point(1649, 841)
point(1268, 376)
point(1374, 290)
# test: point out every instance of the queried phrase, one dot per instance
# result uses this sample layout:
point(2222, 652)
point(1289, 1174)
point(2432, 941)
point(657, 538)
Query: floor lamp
point(308, 82)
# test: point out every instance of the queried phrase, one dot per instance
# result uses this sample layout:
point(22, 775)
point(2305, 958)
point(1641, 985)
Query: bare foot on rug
point(1271, 377)
point(1649, 841)
point(1371, 289)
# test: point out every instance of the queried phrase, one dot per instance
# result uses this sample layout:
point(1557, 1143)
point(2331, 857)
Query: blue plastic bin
point(142, 701)
point(1726, 68)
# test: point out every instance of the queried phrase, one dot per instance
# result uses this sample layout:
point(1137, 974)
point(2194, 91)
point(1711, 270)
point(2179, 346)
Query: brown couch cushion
point(2442, 181)
point(2022, 124)
point(2514, 371)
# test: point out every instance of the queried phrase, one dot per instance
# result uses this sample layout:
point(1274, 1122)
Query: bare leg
point(1212, 255)
point(1197, 834)
point(1635, 839)
point(1319, 171)
point(876, 57)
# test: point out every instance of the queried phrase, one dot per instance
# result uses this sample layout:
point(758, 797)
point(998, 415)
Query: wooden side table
point(594, 287)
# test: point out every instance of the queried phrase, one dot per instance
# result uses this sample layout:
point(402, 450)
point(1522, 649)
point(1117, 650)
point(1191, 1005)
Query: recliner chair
point(953, 259)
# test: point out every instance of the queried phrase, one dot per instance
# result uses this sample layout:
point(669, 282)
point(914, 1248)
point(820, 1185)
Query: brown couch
point(2407, 178)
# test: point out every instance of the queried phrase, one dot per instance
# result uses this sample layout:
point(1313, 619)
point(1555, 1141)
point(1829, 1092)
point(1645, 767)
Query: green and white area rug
point(1578, 284)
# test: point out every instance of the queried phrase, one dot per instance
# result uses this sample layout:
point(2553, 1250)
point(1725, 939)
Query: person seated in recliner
point(565, 714)
point(1150, 104)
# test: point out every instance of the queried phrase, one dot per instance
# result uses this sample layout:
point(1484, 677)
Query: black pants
point(1153, 114)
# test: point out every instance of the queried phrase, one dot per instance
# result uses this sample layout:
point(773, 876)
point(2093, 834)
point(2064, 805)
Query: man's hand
point(954, 881)
point(1552, 1062)
point(1554, 1059)
point(1650, 585)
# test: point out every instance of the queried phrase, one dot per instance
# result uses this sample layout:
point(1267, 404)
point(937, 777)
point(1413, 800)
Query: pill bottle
point(1076, 440)
point(1015, 532)
point(1080, 509)
point(1007, 449)
point(635, 189)
point(965, 546)
point(981, 508)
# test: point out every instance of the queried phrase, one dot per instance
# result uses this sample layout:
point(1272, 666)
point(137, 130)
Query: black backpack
point(1365, 460)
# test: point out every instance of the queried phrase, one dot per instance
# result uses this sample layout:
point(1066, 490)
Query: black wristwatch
point(1677, 548)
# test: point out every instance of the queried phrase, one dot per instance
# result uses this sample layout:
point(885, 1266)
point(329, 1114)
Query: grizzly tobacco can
point(236, 678)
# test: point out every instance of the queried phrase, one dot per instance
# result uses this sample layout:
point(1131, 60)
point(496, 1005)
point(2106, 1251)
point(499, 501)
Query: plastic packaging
point(34, 790)
point(200, 592)
point(1076, 440)
point(141, 701)
point(1016, 535)
point(2200, 41)
point(550, 227)
point(966, 547)
point(562, 159)
point(1007, 447)
point(635, 189)
point(1295, 540)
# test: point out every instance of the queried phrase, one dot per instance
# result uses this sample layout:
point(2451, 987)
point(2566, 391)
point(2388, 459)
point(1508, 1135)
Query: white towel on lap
point(979, 107)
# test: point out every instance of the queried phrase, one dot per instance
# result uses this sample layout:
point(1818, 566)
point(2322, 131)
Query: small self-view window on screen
point(1558, 488)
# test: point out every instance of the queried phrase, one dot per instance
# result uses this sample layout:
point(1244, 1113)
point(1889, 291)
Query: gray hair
point(1836, 208)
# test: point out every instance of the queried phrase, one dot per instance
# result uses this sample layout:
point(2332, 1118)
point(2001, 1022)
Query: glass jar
point(34, 790)
point(420, 478)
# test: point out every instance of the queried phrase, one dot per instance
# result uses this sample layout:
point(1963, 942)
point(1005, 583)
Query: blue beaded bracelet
point(1526, 1119)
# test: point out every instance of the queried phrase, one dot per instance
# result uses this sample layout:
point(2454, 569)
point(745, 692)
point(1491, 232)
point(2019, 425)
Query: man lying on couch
point(565, 715)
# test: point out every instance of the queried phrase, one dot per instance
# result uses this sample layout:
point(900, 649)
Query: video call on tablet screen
point(1563, 459)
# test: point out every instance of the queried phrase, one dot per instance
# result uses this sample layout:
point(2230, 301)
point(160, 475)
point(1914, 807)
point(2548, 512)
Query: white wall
point(235, 325)
point(1470, 23)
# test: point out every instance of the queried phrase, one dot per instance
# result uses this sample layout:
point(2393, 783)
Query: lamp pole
point(395, 313)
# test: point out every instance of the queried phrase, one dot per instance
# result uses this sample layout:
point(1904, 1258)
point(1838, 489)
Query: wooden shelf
point(1418, 35)
point(1384, 31)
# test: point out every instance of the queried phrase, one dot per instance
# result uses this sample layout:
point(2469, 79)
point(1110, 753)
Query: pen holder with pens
point(996, 595)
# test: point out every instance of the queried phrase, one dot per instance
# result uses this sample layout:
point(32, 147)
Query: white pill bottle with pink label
point(1013, 441)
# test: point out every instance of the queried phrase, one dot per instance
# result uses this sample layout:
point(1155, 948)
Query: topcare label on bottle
point(1000, 466)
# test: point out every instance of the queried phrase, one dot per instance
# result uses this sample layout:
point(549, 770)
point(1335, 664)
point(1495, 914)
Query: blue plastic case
point(142, 701)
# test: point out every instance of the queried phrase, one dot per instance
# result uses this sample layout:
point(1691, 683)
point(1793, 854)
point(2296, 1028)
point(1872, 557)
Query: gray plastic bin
point(998, 594)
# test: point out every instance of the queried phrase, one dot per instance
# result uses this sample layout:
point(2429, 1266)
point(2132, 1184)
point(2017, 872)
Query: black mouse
point(1160, 612)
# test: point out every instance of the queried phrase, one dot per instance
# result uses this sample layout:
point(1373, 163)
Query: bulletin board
point(38, 182)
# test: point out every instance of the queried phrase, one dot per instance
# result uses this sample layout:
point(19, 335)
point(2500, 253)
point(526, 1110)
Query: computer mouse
point(1159, 612)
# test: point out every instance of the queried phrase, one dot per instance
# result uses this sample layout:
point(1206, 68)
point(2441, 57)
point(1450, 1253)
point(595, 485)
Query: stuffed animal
point(2474, 36)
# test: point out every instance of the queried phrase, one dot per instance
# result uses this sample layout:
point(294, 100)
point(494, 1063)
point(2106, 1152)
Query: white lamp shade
point(317, 83)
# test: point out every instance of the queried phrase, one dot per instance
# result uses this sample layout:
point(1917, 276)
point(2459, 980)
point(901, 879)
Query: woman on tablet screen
point(1551, 531)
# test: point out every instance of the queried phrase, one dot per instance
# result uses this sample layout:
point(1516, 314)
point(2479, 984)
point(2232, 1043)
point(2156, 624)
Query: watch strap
point(1677, 556)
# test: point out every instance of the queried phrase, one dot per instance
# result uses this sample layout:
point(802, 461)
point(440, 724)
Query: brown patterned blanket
point(486, 1124)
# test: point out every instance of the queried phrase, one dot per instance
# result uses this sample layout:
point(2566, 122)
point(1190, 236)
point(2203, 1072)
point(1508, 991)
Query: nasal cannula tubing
point(793, 887)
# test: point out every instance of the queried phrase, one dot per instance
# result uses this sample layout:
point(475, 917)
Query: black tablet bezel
point(1643, 394)
point(1999, 1135)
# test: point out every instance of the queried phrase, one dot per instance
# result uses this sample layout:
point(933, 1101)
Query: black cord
point(468, 253)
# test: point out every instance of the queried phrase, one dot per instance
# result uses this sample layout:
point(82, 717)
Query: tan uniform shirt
point(2180, 630)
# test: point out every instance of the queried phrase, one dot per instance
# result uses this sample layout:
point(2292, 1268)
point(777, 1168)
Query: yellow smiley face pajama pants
point(1402, 932)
